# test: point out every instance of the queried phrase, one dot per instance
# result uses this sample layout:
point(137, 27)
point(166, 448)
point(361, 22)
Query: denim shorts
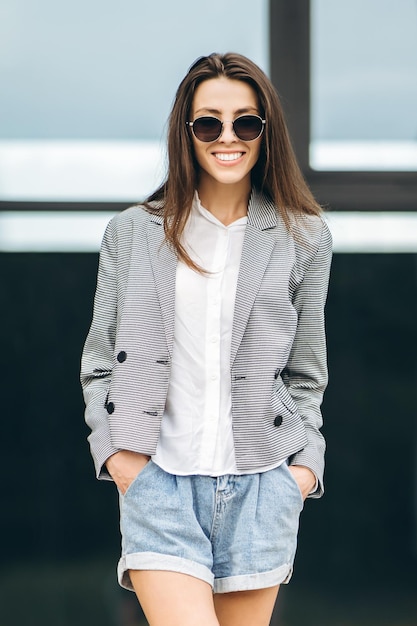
point(234, 532)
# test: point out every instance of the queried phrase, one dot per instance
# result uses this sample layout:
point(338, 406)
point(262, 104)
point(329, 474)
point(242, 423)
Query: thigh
point(173, 599)
point(246, 608)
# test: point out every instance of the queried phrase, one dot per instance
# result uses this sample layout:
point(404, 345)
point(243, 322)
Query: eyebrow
point(218, 112)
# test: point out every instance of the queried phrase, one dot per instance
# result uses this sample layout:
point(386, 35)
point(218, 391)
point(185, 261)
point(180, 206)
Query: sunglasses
point(245, 127)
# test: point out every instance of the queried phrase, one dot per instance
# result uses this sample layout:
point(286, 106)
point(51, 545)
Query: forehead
point(224, 94)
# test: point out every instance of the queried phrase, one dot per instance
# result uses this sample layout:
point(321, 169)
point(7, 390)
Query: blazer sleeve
point(97, 357)
point(306, 371)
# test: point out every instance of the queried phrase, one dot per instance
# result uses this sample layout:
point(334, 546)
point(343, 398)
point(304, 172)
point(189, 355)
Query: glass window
point(364, 85)
point(87, 87)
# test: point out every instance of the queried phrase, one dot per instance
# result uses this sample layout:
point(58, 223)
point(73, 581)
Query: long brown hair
point(276, 172)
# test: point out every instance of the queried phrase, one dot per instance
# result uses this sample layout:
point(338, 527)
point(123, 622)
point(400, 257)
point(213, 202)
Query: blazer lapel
point(259, 241)
point(258, 244)
point(164, 264)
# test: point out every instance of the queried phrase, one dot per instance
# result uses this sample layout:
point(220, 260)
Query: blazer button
point(278, 420)
point(110, 407)
point(122, 356)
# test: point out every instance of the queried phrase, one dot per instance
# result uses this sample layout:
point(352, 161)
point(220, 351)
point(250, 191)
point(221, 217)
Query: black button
point(110, 407)
point(278, 420)
point(122, 356)
point(277, 373)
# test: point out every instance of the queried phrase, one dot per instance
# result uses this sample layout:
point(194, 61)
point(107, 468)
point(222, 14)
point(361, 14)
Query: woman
point(205, 365)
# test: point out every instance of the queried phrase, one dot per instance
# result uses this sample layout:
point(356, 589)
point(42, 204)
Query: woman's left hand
point(304, 478)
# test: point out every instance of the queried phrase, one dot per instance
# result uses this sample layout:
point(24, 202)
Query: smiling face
point(228, 160)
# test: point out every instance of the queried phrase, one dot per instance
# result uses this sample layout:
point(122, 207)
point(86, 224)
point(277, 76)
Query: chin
point(230, 178)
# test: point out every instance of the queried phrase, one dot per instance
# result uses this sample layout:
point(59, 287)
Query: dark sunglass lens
point(207, 128)
point(248, 127)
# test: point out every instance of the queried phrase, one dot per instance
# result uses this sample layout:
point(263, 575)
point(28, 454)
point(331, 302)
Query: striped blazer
point(278, 355)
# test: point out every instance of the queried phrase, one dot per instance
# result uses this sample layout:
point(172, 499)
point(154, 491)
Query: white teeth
point(233, 156)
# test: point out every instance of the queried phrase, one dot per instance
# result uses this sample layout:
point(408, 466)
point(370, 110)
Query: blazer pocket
point(99, 372)
point(281, 398)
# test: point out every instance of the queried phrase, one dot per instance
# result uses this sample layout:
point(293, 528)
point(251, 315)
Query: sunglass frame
point(222, 123)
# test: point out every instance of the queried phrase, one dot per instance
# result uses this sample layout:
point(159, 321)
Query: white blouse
point(196, 432)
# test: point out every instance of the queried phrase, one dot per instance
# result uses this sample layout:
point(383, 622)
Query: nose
point(228, 134)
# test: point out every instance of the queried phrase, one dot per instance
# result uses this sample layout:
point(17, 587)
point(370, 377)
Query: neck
point(227, 203)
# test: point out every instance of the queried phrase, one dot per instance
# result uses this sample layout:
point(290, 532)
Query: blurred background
point(86, 89)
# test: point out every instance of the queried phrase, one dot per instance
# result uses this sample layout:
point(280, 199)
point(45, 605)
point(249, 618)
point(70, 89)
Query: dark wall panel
point(47, 302)
point(58, 519)
point(365, 526)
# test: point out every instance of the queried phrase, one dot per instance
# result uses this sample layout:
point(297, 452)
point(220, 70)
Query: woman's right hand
point(124, 466)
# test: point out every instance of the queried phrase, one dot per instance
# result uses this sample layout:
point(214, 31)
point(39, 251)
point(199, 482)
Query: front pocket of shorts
point(296, 485)
point(137, 479)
